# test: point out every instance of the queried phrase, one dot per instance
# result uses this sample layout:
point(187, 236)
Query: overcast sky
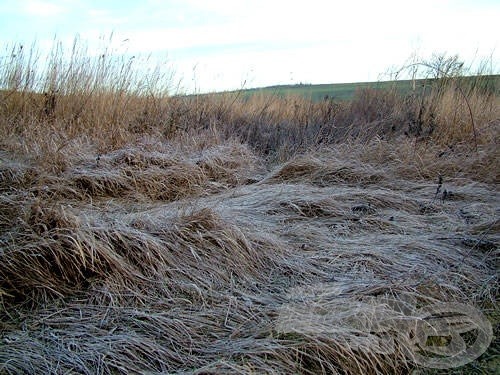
point(220, 44)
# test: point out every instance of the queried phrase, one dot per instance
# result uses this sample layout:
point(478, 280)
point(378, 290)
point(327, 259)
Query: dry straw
point(208, 234)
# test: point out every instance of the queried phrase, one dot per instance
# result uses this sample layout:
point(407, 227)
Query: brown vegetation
point(146, 233)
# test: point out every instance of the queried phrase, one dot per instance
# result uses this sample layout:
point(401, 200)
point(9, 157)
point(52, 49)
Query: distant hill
point(345, 91)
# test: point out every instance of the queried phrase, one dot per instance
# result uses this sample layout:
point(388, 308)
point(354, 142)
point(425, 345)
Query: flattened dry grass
point(66, 250)
point(323, 171)
point(114, 278)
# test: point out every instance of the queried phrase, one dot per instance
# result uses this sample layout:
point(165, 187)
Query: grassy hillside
point(144, 233)
point(346, 91)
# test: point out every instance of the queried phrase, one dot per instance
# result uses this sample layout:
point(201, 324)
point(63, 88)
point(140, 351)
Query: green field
point(339, 91)
point(346, 91)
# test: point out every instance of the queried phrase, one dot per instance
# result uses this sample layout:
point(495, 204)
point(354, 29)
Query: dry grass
point(221, 235)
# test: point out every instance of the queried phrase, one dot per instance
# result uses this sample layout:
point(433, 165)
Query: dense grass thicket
point(142, 232)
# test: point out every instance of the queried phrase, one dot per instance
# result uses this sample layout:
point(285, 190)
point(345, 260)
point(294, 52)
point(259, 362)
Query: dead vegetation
point(213, 234)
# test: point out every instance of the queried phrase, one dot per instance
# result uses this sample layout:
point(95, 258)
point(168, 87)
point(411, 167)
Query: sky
point(216, 45)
